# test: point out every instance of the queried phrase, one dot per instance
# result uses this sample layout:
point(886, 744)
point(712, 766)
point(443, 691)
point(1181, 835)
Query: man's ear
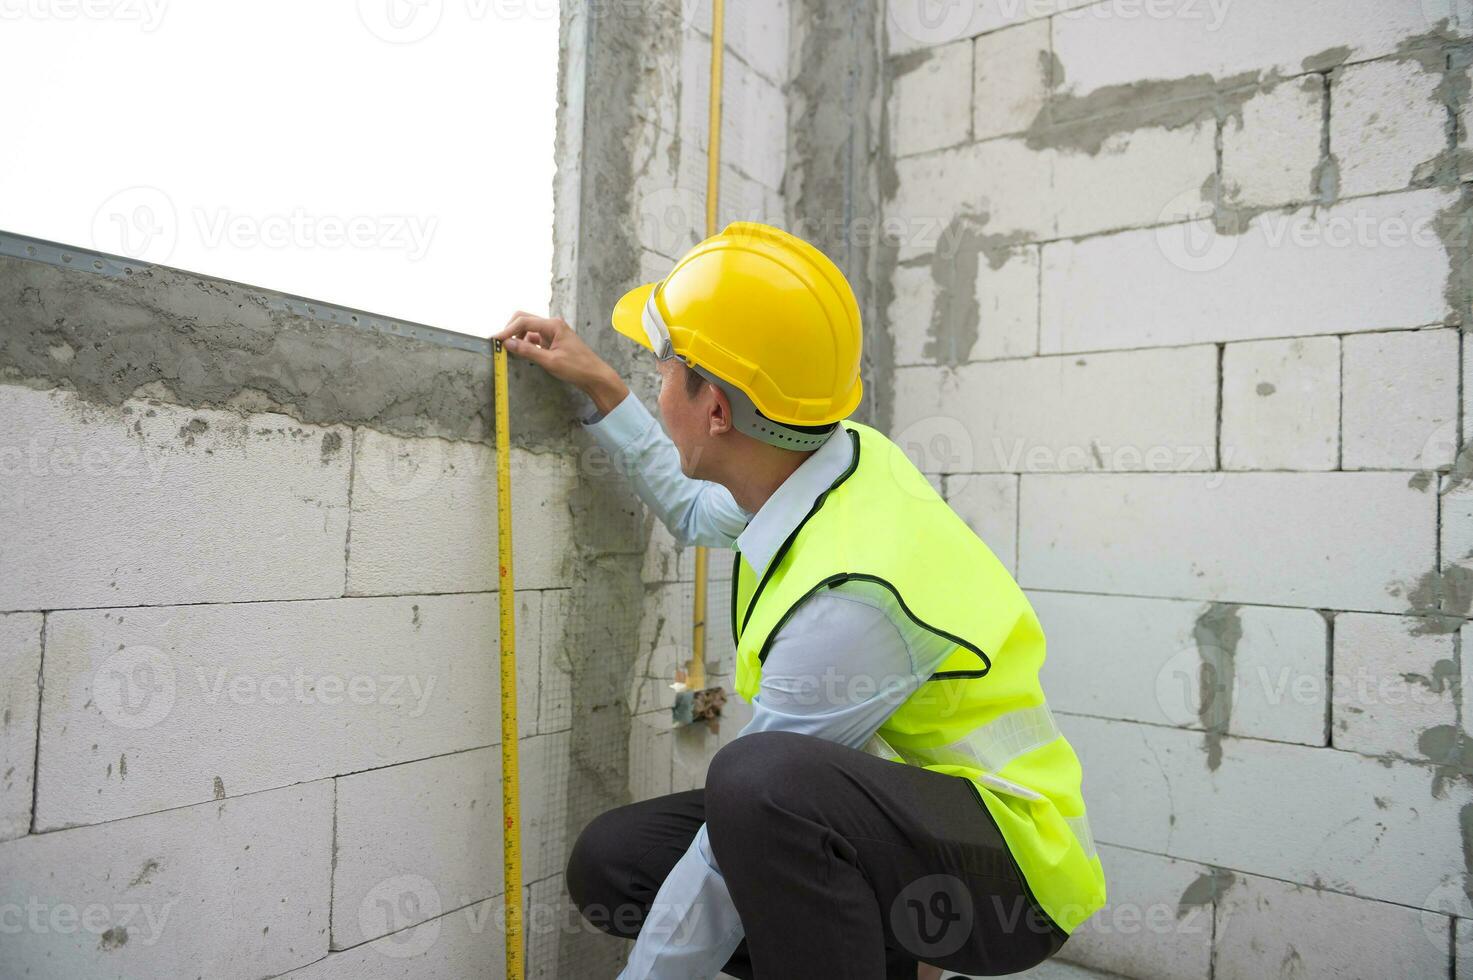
point(719, 414)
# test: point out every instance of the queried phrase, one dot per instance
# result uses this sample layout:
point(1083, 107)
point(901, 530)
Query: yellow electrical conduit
point(696, 676)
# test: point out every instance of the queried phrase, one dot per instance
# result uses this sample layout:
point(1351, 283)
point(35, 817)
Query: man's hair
point(693, 380)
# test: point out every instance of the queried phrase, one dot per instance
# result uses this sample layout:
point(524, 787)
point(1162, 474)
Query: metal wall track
point(117, 267)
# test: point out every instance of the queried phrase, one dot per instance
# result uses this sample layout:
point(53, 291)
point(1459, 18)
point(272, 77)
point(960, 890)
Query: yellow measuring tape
point(511, 811)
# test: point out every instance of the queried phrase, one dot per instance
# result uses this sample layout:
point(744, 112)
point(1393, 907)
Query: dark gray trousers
point(840, 864)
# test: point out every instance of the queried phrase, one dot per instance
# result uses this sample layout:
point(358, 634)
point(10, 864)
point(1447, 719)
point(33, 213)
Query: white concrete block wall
point(1258, 655)
point(150, 503)
point(1162, 654)
point(159, 707)
point(1396, 684)
point(1359, 265)
point(1148, 410)
point(1183, 536)
point(205, 674)
point(1401, 400)
point(235, 888)
point(1267, 927)
point(1281, 404)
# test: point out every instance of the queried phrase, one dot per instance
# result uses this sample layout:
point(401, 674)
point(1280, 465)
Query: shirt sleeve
point(695, 511)
point(840, 666)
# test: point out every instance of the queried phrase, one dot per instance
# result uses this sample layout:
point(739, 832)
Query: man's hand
point(552, 345)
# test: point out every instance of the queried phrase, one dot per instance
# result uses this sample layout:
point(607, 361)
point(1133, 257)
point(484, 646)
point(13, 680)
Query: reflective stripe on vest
point(991, 747)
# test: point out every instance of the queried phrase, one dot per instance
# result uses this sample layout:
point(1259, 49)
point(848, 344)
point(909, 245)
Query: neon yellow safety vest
point(982, 715)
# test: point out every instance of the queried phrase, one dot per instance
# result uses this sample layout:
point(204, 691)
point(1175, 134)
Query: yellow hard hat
point(765, 312)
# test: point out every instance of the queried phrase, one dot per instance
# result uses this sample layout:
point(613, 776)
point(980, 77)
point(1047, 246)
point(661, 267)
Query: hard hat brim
point(629, 314)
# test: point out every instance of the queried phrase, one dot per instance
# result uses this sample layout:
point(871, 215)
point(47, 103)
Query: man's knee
point(750, 774)
point(597, 880)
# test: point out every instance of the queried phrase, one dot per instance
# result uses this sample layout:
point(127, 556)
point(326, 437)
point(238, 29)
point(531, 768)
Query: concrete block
point(1281, 404)
point(1012, 77)
point(997, 319)
point(989, 505)
point(1157, 922)
point(1275, 928)
point(20, 702)
point(149, 503)
point(144, 709)
point(415, 840)
point(1257, 671)
point(1362, 265)
point(237, 888)
point(1151, 410)
point(1121, 42)
point(1360, 541)
point(1396, 680)
point(1132, 178)
point(424, 516)
point(1388, 124)
point(1401, 400)
point(1271, 148)
point(1374, 829)
point(931, 102)
point(466, 942)
point(912, 24)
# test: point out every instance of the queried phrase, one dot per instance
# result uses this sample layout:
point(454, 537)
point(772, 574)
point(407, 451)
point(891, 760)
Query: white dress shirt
point(841, 664)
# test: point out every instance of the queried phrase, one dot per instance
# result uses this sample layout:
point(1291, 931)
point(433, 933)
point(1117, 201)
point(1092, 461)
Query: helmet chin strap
point(749, 421)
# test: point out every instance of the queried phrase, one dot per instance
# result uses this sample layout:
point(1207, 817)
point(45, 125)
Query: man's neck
point(758, 475)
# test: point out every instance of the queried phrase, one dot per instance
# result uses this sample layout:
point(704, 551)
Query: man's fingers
point(517, 325)
point(548, 327)
point(523, 348)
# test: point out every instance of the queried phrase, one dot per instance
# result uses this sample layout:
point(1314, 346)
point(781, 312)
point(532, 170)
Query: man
point(901, 795)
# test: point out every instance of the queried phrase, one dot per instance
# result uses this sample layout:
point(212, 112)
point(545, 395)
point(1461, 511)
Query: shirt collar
point(793, 499)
